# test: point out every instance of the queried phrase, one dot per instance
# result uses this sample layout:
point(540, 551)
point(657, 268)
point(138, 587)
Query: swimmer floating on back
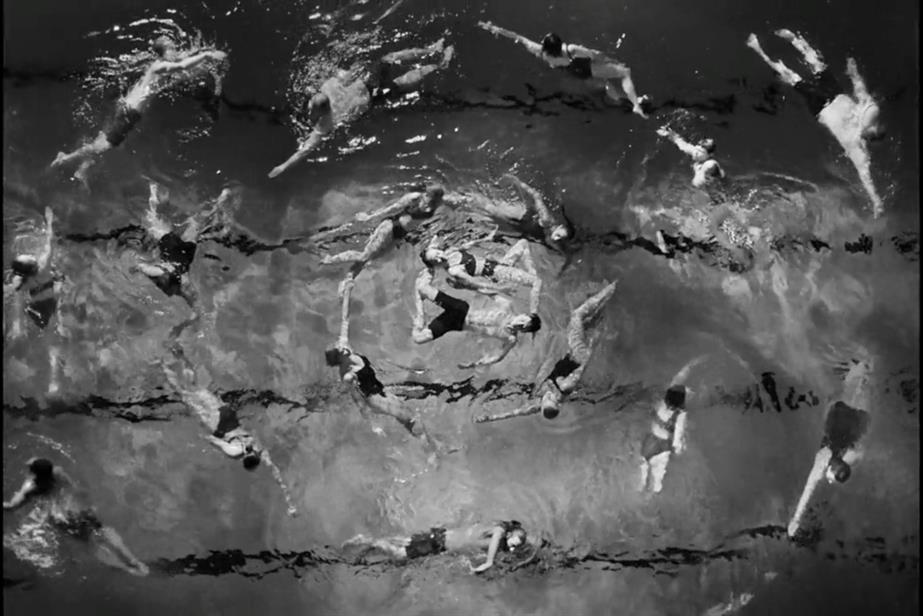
point(501, 537)
point(566, 373)
point(356, 369)
point(498, 322)
point(668, 432)
point(851, 118)
point(580, 62)
point(67, 510)
point(845, 425)
point(220, 419)
point(471, 271)
point(348, 95)
point(158, 76)
point(705, 168)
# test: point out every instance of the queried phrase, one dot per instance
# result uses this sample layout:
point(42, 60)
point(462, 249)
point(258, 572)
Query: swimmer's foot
point(753, 42)
point(58, 160)
point(785, 33)
point(139, 569)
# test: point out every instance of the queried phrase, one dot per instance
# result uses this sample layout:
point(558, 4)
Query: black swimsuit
point(42, 303)
point(470, 263)
point(178, 253)
point(844, 427)
point(452, 319)
point(24, 269)
point(397, 229)
point(565, 367)
point(368, 383)
point(819, 90)
point(227, 421)
point(580, 67)
point(426, 544)
point(118, 128)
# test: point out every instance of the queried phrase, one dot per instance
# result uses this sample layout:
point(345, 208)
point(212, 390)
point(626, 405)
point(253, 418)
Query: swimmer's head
point(251, 457)
point(526, 323)
point(434, 194)
point(550, 405)
point(708, 144)
point(515, 538)
point(676, 397)
point(164, 46)
point(552, 44)
point(432, 256)
point(333, 357)
point(559, 233)
point(42, 468)
point(838, 470)
point(319, 105)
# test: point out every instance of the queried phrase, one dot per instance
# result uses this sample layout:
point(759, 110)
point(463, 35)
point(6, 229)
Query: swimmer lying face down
point(225, 431)
point(565, 375)
point(498, 322)
point(507, 536)
point(67, 510)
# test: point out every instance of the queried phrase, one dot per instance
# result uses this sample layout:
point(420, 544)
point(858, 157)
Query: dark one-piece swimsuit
point(452, 319)
point(178, 253)
point(653, 445)
point(565, 367)
point(579, 67)
point(368, 383)
point(227, 421)
point(426, 544)
point(844, 427)
point(121, 124)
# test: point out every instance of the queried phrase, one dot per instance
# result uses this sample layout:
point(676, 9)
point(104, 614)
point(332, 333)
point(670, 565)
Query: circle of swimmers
point(851, 117)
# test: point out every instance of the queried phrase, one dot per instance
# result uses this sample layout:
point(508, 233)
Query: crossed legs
point(577, 337)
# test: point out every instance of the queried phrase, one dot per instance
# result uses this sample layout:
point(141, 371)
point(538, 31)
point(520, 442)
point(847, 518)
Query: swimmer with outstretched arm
point(851, 118)
point(135, 102)
point(348, 95)
point(846, 423)
point(581, 62)
point(704, 166)
point(370, 393)
point(506, 536)
point(486, 274)
point(220, 419)
point(69, 512)
point(566, 373)
point(499, 321)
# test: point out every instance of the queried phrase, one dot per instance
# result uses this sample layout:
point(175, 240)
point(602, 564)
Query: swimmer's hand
point(277, 171)
point(480, 568)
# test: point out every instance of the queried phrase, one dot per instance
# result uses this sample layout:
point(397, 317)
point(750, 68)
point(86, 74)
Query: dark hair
point(24, 267)
point(535, 323)
point(551, 413)
point(319, 102)
point(841, 470)
point(332, 357)
point(552, 44)
point(251, 460)
point(676, 397)
point(42, 468)
point(427, 262)
point(161, 44)
point(434, 192)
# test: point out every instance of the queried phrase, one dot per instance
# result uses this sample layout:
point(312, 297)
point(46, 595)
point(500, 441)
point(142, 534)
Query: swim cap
point(676, 397)
point(42, 468)
point(840, 470)
point(552, 44)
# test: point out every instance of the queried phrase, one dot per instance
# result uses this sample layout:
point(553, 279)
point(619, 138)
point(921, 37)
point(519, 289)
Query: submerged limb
point(658, 470)
point(811, 55)
point(821, 461)
point(786, 74)
point(858, 154)
point(529, 409)
point(108, 538)
point(88, 150)
point(581, 319)
point(305, 148)
point(858, 84)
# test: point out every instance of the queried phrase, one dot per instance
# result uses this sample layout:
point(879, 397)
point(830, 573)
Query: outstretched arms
point(531, 46)
point(508, 344)
point(529, 409)
point(684, 146)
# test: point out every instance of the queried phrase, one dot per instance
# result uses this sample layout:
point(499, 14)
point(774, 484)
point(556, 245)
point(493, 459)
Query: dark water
point(220, 538)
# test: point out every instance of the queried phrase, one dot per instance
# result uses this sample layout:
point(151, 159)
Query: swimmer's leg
point(645, 475)
point(413, 78)
point(786, 74)
point(156, 226)
point(108, 538)
point(54, 366)
point(629, 88)
point(658, 471)
point(414, 54)
point(391, 406)
point(811, 55)
point(88, 150)
point(858, 84)
point(347, 256)
point(424, 289)
point(859, 156)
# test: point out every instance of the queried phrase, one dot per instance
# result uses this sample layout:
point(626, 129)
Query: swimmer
point(67, 510)
point(507, 536)
point(580, 62)
point(220, 419)
point(369, 393)
point(498, 322)
point(705, 167)
point(566, 373)
point(840, 449)
point(555, 226)
point(349, 94)
point(32, 275)
point(468, 270)
point(851, 118)
point(159, 75)
point(668, 432)
point(405, 214)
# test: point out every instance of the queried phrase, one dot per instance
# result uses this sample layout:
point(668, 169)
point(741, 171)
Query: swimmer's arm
point(45, 255)
point(684, 146)
point(508, 344)
point(530, 409)
point(821, 460)
point(227, 448)
point(28, 486)
point(679, 434)
point(491, 551)
point(533, 47)
point(305, 148)
point(187, 63)
point(537, 203)
point(398, 206)
point(277, 475)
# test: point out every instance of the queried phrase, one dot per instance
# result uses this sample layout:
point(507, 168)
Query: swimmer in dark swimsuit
point(158, 76)
point(844, 427)
point(368, 391)
point(66, 510)
point(222, 423)
point(495, 538)
point(851, 118)
point(668, 432)
point(406, 213)
point(498, 322)
point(567, 372)
point(349, 94)
point(470, 271)
point(580, 62)
point(704, 166)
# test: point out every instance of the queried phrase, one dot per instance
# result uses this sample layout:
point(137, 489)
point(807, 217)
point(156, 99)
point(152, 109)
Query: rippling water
point(784, 322)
